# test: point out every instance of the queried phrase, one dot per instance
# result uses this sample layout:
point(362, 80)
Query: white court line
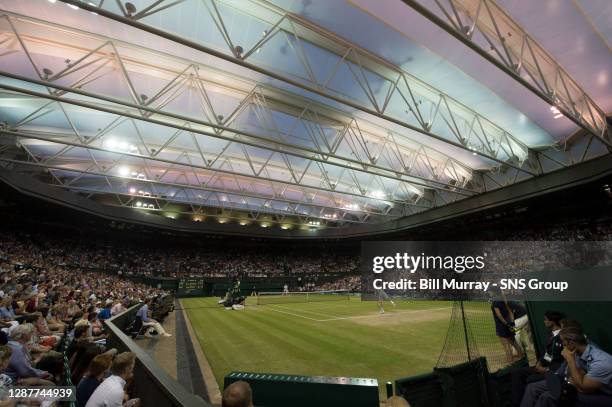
point(273, 308)
point(389, 313)
point(291, 313)
point(303, 310)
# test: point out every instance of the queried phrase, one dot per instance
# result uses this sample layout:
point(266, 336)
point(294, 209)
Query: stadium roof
point(310, 114)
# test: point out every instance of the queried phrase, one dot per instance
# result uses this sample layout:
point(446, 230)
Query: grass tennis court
point(337, 338)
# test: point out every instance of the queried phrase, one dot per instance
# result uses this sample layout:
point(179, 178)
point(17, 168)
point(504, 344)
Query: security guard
point(587, 369)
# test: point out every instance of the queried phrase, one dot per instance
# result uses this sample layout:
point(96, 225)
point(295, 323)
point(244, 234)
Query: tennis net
point(291, 297)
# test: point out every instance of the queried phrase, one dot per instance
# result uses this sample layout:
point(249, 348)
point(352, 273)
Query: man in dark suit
point(551, 359)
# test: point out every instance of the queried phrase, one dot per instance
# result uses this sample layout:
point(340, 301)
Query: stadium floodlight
point(243, 223)
point(556, 113)
point(132, 190)
point(222, 220)
point(124, 171)
point(139, 204)
point(264, 225)
point(378, 194)
point(111, 143)
point(285, 227)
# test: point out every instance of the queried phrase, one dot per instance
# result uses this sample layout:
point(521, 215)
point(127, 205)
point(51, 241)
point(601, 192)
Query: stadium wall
point(594, 316)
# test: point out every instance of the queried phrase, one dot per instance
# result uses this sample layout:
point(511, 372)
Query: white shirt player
point(285, 289)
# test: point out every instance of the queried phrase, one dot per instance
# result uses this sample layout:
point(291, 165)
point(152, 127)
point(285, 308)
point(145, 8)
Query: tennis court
point(342, 337)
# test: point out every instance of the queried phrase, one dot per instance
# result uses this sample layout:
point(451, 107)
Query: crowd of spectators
point(316, 267)
point(50, 313)
point(175, 261)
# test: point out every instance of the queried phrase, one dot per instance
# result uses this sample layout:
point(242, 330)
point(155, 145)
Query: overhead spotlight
point(222, 221)
point(264, 225)
point(556, 112)
point(72, 6)
point(151, 206)
point(139, 204)
point(378, 194)
point(132, 190)
point(134, 174)
point(124, 171)
point(130, 8)
point(243, 223)
point(197, 219)
point(239, 50)
point(285, 227)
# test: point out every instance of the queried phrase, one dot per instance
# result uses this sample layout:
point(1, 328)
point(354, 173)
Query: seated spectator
point(587, 369)
point(551, 360)
point(95, 324)
point(5, 380)
point(111, 391)
point(118, 308)
point(20, 365)
point(45, 336)
point(7, 316)
point(83, 319)
point(55, 317)
point(97, 371)
point(143, 313)
point(237, 394)
point(81, 338)
point(105, 313)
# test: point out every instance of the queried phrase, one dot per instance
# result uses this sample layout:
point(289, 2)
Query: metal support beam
point(516, 52)
point(354, 58)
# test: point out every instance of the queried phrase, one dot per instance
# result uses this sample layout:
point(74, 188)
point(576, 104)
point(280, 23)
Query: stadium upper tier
point(279, 115)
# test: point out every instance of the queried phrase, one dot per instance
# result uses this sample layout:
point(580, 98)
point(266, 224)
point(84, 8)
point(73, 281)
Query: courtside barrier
point(280, 390)
point(151, 383)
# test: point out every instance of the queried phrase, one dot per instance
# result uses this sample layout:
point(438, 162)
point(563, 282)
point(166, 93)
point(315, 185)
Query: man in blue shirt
point(143, 313)
point(105, 313)
point(586, 367)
